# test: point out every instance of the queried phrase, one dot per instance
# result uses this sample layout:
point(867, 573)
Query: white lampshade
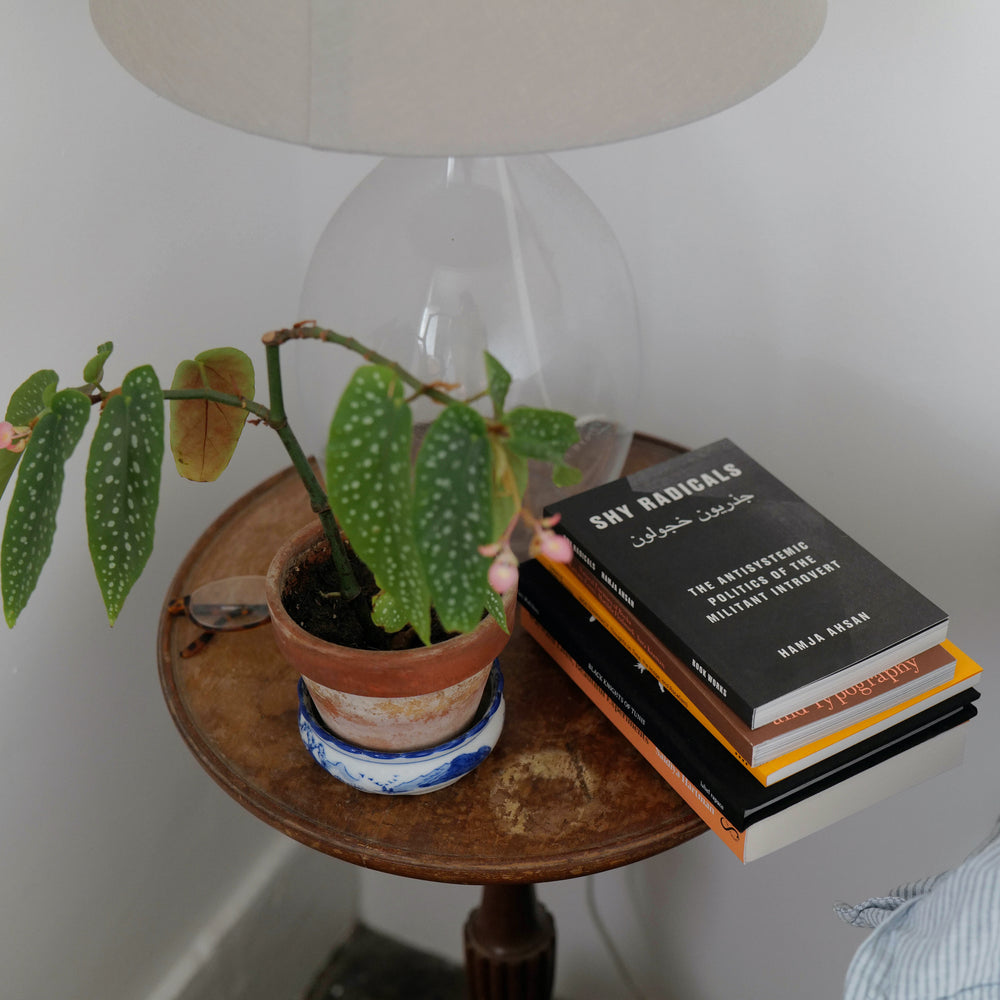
point(457, 77)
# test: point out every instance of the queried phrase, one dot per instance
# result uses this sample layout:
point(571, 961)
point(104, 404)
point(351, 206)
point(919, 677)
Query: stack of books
point(770, 668)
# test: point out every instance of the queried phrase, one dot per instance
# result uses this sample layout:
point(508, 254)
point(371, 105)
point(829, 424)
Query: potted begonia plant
point(413, 539)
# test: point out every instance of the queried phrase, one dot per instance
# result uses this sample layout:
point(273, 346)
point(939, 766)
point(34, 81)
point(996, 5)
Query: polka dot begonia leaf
point(545, 435)
point(453, 514)
point(25, 404)
point(31, 518)
point(387, 614)
point(498, 382)
point(123, 485)
point(370, 488)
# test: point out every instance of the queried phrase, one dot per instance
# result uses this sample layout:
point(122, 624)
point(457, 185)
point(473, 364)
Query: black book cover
point(770, 604)
point(680, 737)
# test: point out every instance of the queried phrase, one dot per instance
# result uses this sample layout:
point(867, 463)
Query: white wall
point(125, 218)
point(815, 276)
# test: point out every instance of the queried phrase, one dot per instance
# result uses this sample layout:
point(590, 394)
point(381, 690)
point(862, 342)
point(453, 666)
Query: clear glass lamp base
point(433, 261)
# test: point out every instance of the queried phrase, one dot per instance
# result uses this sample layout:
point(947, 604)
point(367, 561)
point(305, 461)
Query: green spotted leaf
point(370, 490)
point(494, 605)
point(387, 614)
point(565, 475)
point(93, 370)
point(498, 382)
point(453, 514)
point(31, 519)
point(203, 433)
point(123, 485)
point(545, 435)
point(26, 403)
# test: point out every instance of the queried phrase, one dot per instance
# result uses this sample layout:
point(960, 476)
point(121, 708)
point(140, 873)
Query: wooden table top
point(562, 795)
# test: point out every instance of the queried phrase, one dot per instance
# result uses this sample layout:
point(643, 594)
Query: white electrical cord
point(602, 932)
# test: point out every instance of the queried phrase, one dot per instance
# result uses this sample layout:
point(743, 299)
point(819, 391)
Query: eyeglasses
point(234, 604)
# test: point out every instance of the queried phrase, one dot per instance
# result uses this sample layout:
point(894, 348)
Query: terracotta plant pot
point(399, 700)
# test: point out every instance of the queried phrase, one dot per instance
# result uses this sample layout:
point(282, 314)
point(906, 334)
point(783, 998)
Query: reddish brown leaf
point(204, 433)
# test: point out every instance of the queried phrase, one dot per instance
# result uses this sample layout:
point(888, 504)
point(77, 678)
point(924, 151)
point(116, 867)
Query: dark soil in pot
point(312, 598)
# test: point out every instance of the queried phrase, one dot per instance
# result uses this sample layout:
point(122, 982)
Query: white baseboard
point(270, 939)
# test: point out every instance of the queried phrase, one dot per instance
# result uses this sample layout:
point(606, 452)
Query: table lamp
point(468, 236)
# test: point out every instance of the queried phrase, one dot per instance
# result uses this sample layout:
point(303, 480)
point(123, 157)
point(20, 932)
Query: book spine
point(618, 591)
point(602, 605)
point(624, 720)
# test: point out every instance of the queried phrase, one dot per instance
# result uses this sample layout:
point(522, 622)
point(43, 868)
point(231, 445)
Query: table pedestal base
point(510, 946)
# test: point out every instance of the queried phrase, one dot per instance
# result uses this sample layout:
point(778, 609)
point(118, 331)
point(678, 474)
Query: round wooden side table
point(562, 795)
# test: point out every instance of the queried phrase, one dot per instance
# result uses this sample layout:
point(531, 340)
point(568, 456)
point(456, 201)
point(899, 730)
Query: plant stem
point(304, 332)
point(224, 398)
point(278, 420)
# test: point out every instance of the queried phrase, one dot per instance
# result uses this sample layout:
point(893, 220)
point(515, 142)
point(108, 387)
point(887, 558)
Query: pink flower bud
point(555, 548)
point(502, 574)
point(12, 438)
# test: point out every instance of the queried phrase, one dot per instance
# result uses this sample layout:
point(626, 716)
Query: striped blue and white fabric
point(937, 939)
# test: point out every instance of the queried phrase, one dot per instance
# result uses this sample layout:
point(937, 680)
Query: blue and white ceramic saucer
point(413, 772)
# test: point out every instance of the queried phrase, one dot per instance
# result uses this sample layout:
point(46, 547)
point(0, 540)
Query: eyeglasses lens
point(229, 605)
